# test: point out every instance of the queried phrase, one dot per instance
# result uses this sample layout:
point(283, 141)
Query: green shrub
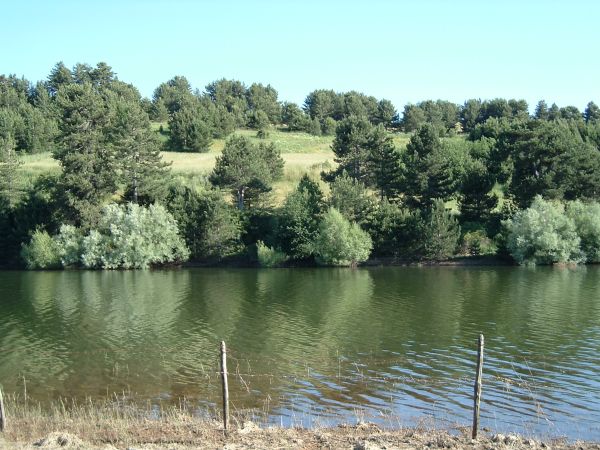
point(269, 257)
point(42, 252)
point(128, 236)
point(69, 241)
point(476, 243)
point(341, 243)
point(543, 234)
point(586, 217)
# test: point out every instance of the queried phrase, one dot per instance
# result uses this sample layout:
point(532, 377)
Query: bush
point(341, 243)
point(586, 217)
point(69, 241)
point(42, 252)
point(128, 237)
point(269, 257)
point(543, 234)
point(476, 243)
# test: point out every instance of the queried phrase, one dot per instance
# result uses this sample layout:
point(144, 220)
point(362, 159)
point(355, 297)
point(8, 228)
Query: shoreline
point(180, 434)
point(116, 423)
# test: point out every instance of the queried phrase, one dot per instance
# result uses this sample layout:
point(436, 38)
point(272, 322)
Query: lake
point(394, 345)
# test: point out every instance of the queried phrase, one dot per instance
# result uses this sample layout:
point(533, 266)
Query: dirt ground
point(250, 436)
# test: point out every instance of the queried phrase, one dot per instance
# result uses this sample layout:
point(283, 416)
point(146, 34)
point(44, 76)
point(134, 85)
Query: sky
point(405, 51)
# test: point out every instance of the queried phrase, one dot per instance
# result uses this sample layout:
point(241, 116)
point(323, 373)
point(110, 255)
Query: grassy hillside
point(302, 153)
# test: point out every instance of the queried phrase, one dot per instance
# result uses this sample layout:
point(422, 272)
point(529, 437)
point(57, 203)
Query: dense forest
point(482, 178)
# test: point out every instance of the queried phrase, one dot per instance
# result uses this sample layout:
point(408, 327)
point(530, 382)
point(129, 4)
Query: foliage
point(476, 200)
point(384, 163)
point(543, 234)
point(586, 217)
point(9, 163)
point(294, 117)
point(440, 232)
point(127, 237)
point(263, 99)
point(210, 226)
point(340, 242)
point(190, 132)
point(475, 243)
point(395, 231)
point(552, 160)
point(299, 219)
point(269, 257)
point(591, 113)
point(88, 163)
point(42, 252)
point(247, 169)
point(141, 167)
point(351, 148)
point(351, 198)
point(431, 168)
point(69, 241)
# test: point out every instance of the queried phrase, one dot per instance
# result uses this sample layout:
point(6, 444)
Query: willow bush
point(126, 237)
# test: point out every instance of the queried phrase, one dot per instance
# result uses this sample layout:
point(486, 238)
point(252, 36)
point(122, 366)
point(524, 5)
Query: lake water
point(393, 345)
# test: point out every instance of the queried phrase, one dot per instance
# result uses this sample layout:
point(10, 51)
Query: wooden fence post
point(2, 413)
point(225, 386)
point(477, 397)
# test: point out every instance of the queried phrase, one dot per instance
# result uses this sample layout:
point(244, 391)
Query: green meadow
point(302, 153)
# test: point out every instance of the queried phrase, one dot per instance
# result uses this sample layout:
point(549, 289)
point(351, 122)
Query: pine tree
point(300, 218)
point(9, 163)
point(384, 163)
point(591, 113)
point(141, 167)
point(351, 148)
point(441, 232)
point(247, 169)
point(428, 170)
point(190, 131)
point(89, 164)
point(554, 112)
point(541, 110)
point(476, 201)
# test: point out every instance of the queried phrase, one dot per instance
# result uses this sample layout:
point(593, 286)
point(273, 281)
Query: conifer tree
point(141, 168)
point(89, 164)
point(9, 163)
point(441, 232)
point(384, 163)
point(476, 201)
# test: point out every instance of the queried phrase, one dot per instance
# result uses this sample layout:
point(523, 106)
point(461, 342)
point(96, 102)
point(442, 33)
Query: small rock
point(249, 427)
point(498, 438)
point(511, 439)
point(58, 439)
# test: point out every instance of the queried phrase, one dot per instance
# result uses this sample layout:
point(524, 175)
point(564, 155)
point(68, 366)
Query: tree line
point(116, 204)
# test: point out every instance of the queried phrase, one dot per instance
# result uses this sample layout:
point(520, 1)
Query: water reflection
point(333, 343)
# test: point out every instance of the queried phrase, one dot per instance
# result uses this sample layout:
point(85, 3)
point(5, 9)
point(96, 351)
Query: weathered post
point(225, 386)
point(477, 398)
point(2, 413)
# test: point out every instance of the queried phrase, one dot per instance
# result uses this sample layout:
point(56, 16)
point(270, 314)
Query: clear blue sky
point(402, 50)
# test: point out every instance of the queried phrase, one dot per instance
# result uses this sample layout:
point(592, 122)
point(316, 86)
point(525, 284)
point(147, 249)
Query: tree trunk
point(240, 198)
